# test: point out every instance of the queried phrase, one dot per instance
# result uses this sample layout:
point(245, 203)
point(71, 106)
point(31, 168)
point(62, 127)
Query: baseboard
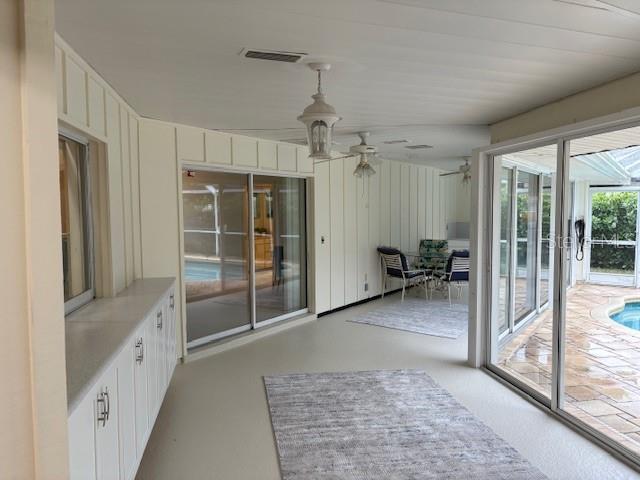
point(360, 302)
point(234, 341)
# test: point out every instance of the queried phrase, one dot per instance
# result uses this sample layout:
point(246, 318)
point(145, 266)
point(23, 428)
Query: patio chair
point(457, 272)
point(394, 264)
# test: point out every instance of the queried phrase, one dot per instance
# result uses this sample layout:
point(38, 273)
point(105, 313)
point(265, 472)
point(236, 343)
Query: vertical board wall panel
point(190, 144)
point(160, 225)
point(444, 206)
point(385, 203)
point(394, 194)
point(374, 235)
point(322, 232)
point(428, 198)
point(405, 175)
point(135, 196)
point(126, 196)
point(422, 204)
point(436, 204)
point(336, 199)
point(350, 232)
point(76, 91)
point(116, 220)
point(96, 106)
point(362, 198)
point(413, 208)
point(60, 83)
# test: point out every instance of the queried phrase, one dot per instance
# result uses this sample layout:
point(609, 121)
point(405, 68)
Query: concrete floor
point(214, 423)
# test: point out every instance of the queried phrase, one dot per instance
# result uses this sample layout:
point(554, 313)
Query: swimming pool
point(199, 270)
point(629, 316)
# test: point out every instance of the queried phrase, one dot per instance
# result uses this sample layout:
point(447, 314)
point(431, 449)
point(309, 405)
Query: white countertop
point(96, 333)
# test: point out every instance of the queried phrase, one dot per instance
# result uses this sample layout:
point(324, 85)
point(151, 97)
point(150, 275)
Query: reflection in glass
point(526, 244)
point(505, 248)
point(74, 215)
point(280, 245)
point(545, 240)
point(216, 252)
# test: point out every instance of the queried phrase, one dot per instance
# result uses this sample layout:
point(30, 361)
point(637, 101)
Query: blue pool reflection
point(629, 316)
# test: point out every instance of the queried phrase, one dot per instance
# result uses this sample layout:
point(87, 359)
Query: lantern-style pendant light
point(319, 118)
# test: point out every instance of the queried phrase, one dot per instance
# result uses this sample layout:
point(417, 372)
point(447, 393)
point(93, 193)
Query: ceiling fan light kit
point(319, 118)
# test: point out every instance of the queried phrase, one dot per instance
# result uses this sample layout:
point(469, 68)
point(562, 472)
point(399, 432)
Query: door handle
point(159, 320)
point(172, 302)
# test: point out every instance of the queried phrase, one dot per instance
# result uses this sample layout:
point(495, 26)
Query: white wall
point(33, 406)
point(89, 106)
point(400, 205)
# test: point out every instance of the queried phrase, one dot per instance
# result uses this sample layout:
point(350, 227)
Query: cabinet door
point(105, 400)
point(82, 442)
point(126, 410)
point(172, 334)
point(140, 383)
point(152, 368)
point(161, 317)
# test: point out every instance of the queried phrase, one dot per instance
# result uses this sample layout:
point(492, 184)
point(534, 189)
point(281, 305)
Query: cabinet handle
point(102, 409)
point(139, 351)
point(103, 406)
point(172, 302)
point(159, 320)
point(108, 404)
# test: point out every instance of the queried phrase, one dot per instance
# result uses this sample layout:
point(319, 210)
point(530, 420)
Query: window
point(77, 244)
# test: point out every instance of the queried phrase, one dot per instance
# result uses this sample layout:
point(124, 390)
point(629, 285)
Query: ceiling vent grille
point(418, 147)
point(274, 56)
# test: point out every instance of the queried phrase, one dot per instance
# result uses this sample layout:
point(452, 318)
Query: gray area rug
point(383, 425)
point(429, 317)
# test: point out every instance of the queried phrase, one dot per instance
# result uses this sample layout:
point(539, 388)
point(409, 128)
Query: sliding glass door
point(279, 246)
point(564, 290)
point(235, 281)
point(520, 339)
point(216, 254)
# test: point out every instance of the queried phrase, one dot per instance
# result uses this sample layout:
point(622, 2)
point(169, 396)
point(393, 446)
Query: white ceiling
point(428, 71)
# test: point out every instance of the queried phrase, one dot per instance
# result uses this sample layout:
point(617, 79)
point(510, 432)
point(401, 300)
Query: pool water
point(198, 270)
point(629, 316)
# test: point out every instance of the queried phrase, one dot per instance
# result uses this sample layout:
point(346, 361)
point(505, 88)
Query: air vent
point(273, 55)
point(395, 142)
point(418, 147)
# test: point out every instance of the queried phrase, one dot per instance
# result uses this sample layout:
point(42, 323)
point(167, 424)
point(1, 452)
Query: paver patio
point(602, 361)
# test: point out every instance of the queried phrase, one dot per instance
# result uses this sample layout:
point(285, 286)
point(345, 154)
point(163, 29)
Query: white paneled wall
point(88, 106)
point(400, 205)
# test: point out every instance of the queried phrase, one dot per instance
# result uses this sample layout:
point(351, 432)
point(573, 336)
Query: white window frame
point(89, 294)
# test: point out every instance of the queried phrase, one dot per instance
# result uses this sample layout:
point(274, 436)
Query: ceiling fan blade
point(343, 156)
point(450, 173)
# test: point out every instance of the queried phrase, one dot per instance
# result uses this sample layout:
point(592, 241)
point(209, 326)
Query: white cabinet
point(110, 426)
point(152, 367)
point(126, 409)
point(140, 384)
point(82, 442)
point(105, 399)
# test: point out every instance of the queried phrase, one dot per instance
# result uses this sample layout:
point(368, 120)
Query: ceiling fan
point(464, 170)
point(368, 155)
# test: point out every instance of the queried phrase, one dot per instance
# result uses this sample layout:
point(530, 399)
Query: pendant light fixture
point(319, 118)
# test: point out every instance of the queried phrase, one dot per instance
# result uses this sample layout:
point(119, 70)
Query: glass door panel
point(279, 246)
point(599, 374)
point(526, 246)
point(506, 184)
point(216, 254)
point(613, 237)
point(524, 209)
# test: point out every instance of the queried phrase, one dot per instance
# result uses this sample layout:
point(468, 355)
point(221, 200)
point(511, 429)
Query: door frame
point(483, 305)
point(253, 324)
point(632, 278)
